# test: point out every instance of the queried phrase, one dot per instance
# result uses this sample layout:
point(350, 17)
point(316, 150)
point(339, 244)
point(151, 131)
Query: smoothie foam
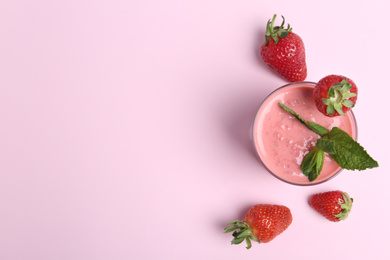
point(282, 141)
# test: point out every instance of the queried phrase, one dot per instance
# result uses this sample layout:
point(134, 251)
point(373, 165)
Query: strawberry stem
point(338, 96)
point(276, 32)
point(242, 231)
point(346, 207)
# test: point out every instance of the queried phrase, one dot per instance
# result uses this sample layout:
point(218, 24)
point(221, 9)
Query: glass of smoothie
point(281, 141)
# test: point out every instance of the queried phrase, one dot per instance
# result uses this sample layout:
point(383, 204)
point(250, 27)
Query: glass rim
point(353, 119)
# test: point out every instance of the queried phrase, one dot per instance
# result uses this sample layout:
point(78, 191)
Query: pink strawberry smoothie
point(282, 141)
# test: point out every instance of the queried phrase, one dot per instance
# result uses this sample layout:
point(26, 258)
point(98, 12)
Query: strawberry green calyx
point(346, 207)
point(338, 96)
point(276, 32)
point(242, 231)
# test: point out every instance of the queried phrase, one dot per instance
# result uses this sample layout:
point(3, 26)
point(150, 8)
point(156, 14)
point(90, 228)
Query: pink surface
point(124, 128)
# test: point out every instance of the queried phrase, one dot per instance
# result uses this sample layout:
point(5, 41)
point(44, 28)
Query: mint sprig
point(341, 147)
point(316, 128)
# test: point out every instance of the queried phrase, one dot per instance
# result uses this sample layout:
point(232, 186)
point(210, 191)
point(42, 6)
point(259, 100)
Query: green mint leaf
point(312, 163)
point(326, 145)
point(316, 128)
point(349, 154)
point(308, 162)
point(320, 159)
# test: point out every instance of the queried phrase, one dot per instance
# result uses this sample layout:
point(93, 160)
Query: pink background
point(124, 128)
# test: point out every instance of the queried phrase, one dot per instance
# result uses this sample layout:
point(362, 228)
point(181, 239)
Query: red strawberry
point(262, 223)
point(333, 205)
point(284, 52)
point(334, 95)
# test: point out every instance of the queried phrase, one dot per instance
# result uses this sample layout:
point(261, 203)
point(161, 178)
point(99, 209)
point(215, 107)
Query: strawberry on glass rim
point(334, 95)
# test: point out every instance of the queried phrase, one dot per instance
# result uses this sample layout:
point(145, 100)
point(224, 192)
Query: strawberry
point(334, 95)
point(284, 52)
point(333, 205)
point(262, 223)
